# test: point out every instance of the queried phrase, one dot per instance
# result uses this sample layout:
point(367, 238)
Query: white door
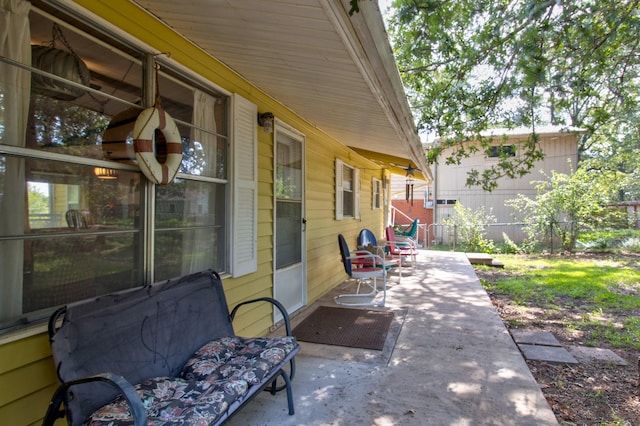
point(289, 245)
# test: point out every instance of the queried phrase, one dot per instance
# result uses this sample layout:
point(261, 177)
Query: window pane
point(377, 194)
point(347, 191)
point(74, 121)
point(289, 233)
point(201, 119)
point(66, 269)
point(347, 178)
point(67, 119)
point(77, 235)
point(347, 203)
point(289, 168)
point(502, 151)
point(57, 126)
point(205, 156)
point(190, 233)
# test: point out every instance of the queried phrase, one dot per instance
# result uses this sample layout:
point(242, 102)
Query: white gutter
point(366, 39)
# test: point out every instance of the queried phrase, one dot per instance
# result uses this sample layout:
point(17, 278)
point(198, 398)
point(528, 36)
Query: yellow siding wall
point(27, 375)
point(60, 202)
point(27, 380)
point(324, 268)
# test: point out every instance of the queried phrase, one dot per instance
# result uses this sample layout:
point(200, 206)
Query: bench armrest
point(274, 302)
point(120, 383)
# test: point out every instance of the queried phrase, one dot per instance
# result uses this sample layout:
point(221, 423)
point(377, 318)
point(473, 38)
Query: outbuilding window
point(498, 151)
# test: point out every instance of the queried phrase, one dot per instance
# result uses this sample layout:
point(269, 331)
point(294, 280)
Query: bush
point(471, 228)
point(566, 206)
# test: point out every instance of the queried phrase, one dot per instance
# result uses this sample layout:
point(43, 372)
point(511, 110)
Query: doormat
point(355, 328)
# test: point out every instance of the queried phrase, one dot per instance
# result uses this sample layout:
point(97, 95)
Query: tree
point(619, 160)
point(38, 202)
point(470, 65)
point(566, 205)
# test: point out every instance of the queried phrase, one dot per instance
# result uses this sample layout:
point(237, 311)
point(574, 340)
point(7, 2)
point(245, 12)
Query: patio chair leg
point(374, 291)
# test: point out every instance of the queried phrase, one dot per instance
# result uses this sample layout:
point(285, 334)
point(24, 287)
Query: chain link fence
point(434, 235)
point(441, 234)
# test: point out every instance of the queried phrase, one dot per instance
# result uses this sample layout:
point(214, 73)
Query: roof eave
point(364, 33)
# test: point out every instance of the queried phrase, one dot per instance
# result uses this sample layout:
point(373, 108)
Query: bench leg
point(287, 382)
point(274, 388)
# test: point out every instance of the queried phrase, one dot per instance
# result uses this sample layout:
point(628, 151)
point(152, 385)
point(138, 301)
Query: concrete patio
point(450, 362)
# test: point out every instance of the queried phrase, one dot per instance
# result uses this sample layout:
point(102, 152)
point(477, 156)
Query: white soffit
point(336, 71)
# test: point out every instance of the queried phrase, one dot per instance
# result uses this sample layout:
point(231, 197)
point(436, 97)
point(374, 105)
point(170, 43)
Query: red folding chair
point(405, 248)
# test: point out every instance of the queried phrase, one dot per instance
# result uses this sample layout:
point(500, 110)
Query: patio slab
point(553, 354)
point(453, 363)
point(587, 354)
point(534, 337)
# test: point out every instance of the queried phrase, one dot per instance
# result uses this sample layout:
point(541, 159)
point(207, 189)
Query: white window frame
point(340, 215)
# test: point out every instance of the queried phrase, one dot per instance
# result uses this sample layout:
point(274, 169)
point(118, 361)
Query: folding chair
point(367, 241)
point(405, 248)
point(366, 268)
point(411, 232)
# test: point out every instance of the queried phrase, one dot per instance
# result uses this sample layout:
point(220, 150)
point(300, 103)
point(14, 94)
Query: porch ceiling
point(334, 70)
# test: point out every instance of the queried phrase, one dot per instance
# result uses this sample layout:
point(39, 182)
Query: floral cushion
point(174, 401)
point(248, 359)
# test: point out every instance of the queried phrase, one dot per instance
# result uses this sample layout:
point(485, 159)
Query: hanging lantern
point(62, 64)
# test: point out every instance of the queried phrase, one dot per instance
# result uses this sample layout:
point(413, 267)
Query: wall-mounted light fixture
point(104, 173)
point(266, 121)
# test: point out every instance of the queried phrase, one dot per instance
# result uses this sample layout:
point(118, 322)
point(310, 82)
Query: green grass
point(610, 240)
point(606, 292)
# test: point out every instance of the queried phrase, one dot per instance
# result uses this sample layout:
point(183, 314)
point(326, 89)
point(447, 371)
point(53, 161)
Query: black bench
point(162, 354)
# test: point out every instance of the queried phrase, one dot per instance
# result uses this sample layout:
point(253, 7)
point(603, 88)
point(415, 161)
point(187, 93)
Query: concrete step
point(484, 259)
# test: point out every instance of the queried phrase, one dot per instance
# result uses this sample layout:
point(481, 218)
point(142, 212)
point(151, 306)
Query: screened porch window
point(77, 217)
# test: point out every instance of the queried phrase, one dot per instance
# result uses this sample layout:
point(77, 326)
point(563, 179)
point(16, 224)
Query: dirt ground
point(588, 393)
